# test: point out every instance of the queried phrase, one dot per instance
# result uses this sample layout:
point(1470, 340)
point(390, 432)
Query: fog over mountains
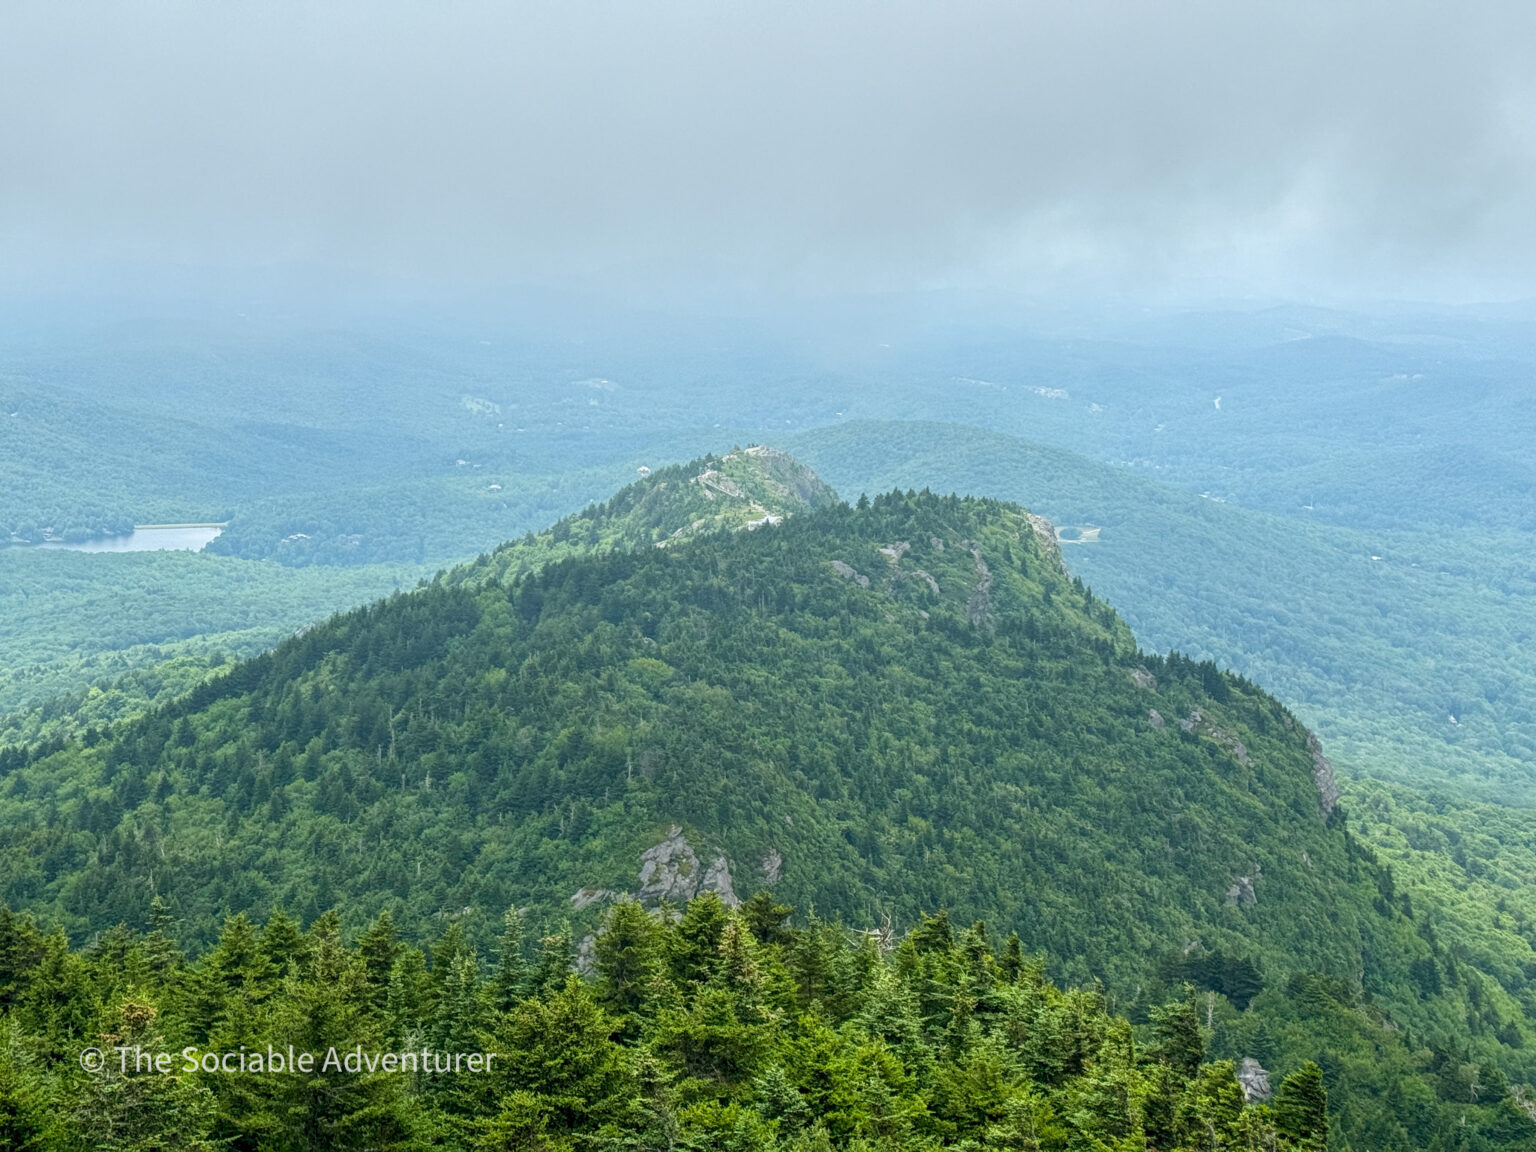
point(1187, 148)
point(810, 576)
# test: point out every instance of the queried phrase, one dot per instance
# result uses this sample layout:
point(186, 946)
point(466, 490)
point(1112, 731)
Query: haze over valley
point(783, 579)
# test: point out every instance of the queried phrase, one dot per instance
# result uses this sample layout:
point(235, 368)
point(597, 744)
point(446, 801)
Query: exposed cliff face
point(671, 872)
point(1322, 775)
point(779, 477)
point(978, 608)
point(1045, 533)
point(1254, 1078)
point(750, 488)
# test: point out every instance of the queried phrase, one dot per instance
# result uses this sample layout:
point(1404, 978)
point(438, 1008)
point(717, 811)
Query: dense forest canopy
point(878, 711)
point(698, 1028)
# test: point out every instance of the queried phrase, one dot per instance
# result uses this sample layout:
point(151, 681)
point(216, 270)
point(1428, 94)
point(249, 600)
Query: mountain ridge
point(953, 572)
point(878, 710)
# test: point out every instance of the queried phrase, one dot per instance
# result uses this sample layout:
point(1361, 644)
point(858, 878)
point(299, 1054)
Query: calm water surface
point(147, 540)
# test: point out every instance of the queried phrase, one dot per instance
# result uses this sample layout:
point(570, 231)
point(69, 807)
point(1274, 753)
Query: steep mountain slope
point(63, 669)
point(888, 708)
point(875, 710)
point(1403, 650)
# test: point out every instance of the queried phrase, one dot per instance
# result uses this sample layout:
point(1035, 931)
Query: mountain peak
point(744, 489)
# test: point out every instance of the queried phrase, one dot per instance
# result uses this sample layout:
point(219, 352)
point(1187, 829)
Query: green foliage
point(743, 489)
point(1392, 638)
point(725, 1050)
point(909, 704)
point(1301, 1108)
point(87, 640)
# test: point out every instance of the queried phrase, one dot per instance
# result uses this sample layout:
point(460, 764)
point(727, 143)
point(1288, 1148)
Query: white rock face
point(671, 871)
point(773, 866)
point(1322, 775)
point(1254, 1079)
point(847, 572)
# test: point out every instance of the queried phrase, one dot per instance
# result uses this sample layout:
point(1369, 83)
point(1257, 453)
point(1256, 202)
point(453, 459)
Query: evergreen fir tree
point(554, 964)
point(510, 981)
point(1177, 1041)
point(1301, 1108)
point(628, 956)
point(124, 1108)
point(1012, 962)
point(766, 918)
point(161, 951)
point(378, 948)
point(332, 1106)
point(283, 945)
point(410, 1001)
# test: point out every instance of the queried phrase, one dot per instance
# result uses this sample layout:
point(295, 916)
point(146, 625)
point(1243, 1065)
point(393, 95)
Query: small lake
point(150, 538)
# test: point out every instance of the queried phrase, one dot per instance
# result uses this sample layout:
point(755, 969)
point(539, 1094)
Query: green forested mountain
point(747, 489)
point(1407, 651)
point(872, 719)
point(877, 711)
point(1319, 439)
point(90, 639)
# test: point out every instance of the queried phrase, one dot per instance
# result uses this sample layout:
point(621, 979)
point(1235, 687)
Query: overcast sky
point(1380, 147)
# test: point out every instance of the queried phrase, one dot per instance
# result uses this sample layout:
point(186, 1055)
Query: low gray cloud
point(1183, 145)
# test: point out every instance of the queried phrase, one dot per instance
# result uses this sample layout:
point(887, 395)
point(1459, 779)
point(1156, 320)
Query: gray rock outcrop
point(1322, 775)
point(710, 478)
point(1197, 721)
point(1232, 744)
point(1242, 893)
point(671, 871)
point(1254, 1079)
point(717, 879)
point(847, 572)
point(586, 955)
point(978, 609)
point(1045, 533)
